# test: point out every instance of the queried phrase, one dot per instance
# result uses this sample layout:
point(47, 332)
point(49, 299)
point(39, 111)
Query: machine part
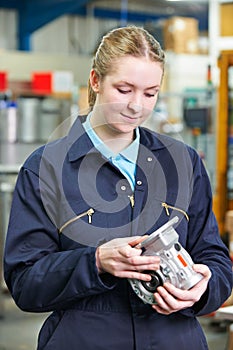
point(175, 263)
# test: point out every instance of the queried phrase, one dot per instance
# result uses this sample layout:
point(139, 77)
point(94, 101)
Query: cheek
point(114, 102)
point(108, 95)
point(113, 96)
point(112, 107)
point(149, 105)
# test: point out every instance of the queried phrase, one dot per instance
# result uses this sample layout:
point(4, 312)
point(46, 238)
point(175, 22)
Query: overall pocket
point(81, 223)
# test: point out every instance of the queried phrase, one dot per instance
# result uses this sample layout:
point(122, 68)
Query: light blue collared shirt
point(125, 161)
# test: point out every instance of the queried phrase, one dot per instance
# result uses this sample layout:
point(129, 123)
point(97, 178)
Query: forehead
point(132, 70)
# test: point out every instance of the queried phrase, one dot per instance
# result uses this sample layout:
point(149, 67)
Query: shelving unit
point(190, 116)
point(37, 113)
point(222, 199)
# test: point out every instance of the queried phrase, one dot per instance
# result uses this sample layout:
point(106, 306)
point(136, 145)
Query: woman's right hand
point(121, 258)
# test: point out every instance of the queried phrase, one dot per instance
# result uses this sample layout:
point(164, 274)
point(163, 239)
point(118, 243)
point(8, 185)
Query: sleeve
point(39, 275)
point(205, 245)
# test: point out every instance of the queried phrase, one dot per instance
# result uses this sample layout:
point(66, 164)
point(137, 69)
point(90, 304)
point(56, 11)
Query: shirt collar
point(79, 144)
point(130, 153)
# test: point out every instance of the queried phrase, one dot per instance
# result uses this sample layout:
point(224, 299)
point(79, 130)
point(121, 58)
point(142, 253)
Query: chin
point(124, 128)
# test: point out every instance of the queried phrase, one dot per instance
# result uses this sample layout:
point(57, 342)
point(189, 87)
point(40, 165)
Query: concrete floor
point(19, 330)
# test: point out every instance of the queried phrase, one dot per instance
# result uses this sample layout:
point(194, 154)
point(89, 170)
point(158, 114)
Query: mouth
point(130, 119)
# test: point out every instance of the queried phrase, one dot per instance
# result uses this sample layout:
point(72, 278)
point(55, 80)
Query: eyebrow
point(148, 88)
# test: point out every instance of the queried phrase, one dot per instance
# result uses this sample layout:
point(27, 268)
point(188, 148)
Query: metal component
point(175, 263)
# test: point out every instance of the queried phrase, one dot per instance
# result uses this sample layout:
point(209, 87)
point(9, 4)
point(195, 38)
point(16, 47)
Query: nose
point(135, 104)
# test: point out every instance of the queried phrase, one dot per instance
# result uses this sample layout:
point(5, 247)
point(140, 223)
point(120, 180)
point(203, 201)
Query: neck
point(114, 139)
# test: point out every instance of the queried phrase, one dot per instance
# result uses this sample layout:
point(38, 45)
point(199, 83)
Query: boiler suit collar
point(77, 136)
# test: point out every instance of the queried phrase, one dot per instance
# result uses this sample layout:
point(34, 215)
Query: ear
point(94, 81)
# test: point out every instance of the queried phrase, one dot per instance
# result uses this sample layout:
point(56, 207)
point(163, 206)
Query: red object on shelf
point(42, 82)
point(3, 81)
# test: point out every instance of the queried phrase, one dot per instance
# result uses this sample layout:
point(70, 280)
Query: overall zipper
point(167, 206)
point(89, 212)
point(131, 198)
point(132, 203)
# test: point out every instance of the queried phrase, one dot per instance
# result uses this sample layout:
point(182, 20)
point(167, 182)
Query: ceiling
point(32, 15)
point(156, 6)
point(152, 9)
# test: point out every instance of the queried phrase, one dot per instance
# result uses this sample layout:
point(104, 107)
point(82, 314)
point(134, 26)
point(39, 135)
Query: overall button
point(139, 182)
point(149, 159)
point(123, 187)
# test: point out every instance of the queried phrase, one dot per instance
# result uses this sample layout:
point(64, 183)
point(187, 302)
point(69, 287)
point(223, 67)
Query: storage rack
point(222, 201)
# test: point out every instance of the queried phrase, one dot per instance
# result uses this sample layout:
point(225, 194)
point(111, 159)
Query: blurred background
point(46, 49)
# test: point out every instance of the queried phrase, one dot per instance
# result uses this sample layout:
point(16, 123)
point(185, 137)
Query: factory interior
point(46, 50)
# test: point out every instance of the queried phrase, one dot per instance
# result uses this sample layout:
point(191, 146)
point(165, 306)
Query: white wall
point(52, 37)
point(8, 30)
point(71, 34)
point(20, 64)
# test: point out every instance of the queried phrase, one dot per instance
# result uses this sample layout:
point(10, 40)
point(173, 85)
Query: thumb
point(137, 240)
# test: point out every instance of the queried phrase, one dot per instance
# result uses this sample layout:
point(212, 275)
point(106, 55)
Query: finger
point(169, 303)
point(127, 251)
point(149, 268)
point(177, 293)
point(165, 297)
point(161, 306)
point(137, 240)
point(203, 269)
point(154, 261)
point(138, 266)
point(134, 275)
point(188, 296)
point(160, 310)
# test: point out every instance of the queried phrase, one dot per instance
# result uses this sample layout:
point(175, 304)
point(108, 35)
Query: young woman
point(82, 204)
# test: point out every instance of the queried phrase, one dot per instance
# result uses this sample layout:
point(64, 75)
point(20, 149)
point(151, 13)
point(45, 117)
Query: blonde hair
point(120, 42)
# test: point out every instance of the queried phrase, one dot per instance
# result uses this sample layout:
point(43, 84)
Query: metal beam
point(9, 4)
point(33, 15)
point(136, 16)
point(36, 14)
point(131, 16)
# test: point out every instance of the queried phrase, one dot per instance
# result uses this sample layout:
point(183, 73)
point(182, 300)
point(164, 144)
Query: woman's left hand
point(171, 299)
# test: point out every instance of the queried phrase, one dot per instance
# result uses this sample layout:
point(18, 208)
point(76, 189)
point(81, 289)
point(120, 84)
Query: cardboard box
point(181, 35)
point(83, 100)
point(226, 15)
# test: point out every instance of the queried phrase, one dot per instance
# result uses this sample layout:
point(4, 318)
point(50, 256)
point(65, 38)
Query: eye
point(149, 95)
point(152, 94)
point(123, 91)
